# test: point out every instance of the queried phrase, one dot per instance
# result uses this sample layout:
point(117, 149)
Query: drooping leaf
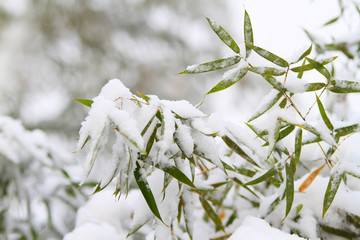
point(289, 189)
point(152, 139)
point(137, 227)
point(310, 178)
point(267, 71)
point(248, 33)
point(324, 115)
point(320, 68)
point(86, 102)
point(266, 106)
point(305, 54)
point(146, 191)
point(269, 56)
point(271, 172)
point(333, 186)
point(223, 35)
point(229, 80)
point(147, 125)
point(237, 149)
point(308, 67)
point(298, 144)
point(343, 86)
point(211, 213)
point(212, 66)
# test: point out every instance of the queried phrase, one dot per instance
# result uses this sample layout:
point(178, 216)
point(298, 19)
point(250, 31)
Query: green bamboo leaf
point(148, 125)
point(269, 56)
point(223, 35)
point(324, 115)
point(340, 232)
point(320, 68)
point(146, 98)
point(86, 102)
point(343, 131)
point(289, 189)
point(275, 83)
point(305, 54)
point(188, 216)
point(331, 21)
point(232, 218)
point(211, 213)
point(152, 139)
point(236, 180)
point(146, 191)
point(308, 67)
point(333, 186)
point(267, 71)
point(298, 144)
point(237, 149)
point(177, 174)
point(309, 87)
point(299, 208)
point(300, 74)
point(283, 103)
point(248, 33)
point(283, 133)
point(246, 172)
point(266, 106)
point(229, 80)
point(130, 140)
point(212, 66)
point(271, 172)
point(137, 227)
point(343, 86)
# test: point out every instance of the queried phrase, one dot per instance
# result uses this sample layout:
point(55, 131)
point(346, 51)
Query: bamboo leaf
point(333, 186)
point(320, 68)
point(266, 106)
point(340, 232)
point(269, 56)
point(212, 66)
point(146, 98)
point(237, 149)
point(223, 35)
point(229, 80)
point(248, 33)
point(332, 21)
point(86, 102)
point(298, 145)
point(343, 86)
point(343, 131)
point(146, 191)
point(289, 189)
point(324, 115)
point(305, 54)
point(267, 71)
point(308, 67)
point(310, 178)
point(137, 228)
point(271, 172)
point(275, 83)
point(151, 139)
point(211, 213)
point(283, 103)
point(177, 174)
point(309, 87)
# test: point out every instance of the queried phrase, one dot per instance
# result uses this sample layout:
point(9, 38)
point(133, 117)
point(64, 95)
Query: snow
point(254, 228)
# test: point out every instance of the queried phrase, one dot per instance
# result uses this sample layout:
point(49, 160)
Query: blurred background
point(54, 51)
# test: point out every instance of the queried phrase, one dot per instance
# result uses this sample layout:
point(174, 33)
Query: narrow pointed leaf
point(266, 106)
point(212, 66)
point(305, 54)
point(283, 103)
point(308, 67)
point(228, 81)
point(310, 178)
point(271, 172)
point(275, 83)
point(177, 174)
point(289, 189)
point(324, 115)
point(340, 232)
point(146, 191)
point(151, 140)
point(248, 33)
point(285, 132)
point(267, 71)
point(211, 213)
point(146, 98)
point(237, 149)
point(343, 131)
point(269, 56)
point(147, 125)
point(137, 228)
point(309, 87)
point(86, 102)
point(331, 21)
point(343, 86)
point(333, 186)
point(320, 68)
point(298, 145)
point(224, 35)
